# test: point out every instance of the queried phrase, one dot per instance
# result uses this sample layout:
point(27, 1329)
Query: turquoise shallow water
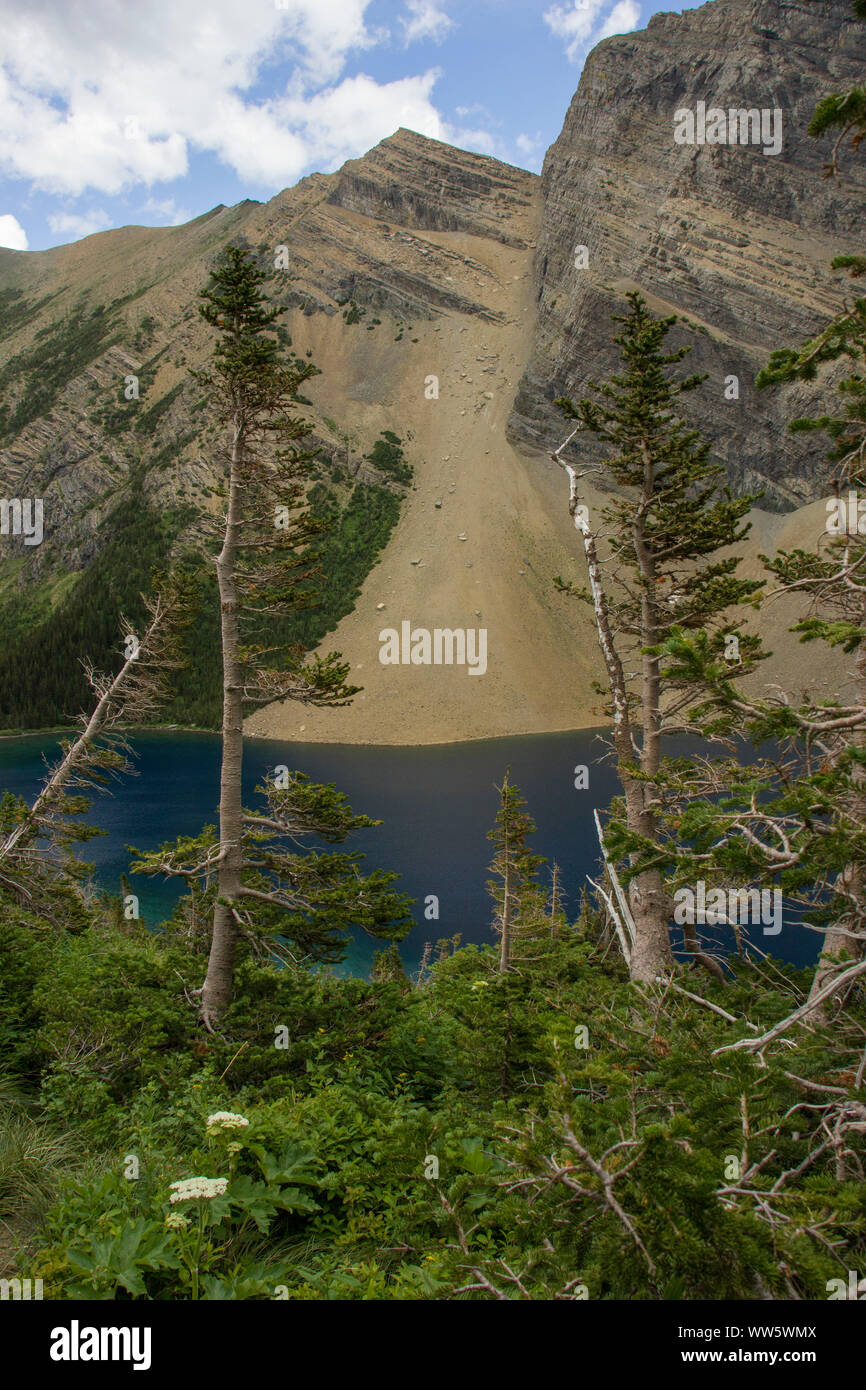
point(437, 805)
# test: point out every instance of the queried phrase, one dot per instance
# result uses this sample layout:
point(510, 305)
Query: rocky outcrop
point(420, 183)
point(736, 241)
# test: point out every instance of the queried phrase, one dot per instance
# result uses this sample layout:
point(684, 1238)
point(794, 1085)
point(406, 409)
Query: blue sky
point(115, 112)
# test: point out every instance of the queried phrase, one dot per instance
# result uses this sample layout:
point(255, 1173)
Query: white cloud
point(125, 96)
point(528, 144)
point(367, 110)
point(585, 22)
point(530, 151)
point(12, 234)
point(75, 225)
point(476, 109)
point(624, 17)
point(479, 140)
point(425, 21)
point(167, 210)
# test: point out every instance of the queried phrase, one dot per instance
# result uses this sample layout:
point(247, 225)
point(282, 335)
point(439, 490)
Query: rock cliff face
point(407, 181)
point(736, 241)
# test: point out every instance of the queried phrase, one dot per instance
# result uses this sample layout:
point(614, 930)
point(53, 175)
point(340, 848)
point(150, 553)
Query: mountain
point(436, 290)
point(735, 241)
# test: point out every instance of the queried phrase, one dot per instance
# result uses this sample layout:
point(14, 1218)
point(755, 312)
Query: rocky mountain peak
point(735, 238)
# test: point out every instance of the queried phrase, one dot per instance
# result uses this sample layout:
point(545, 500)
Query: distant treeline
point(42, 680)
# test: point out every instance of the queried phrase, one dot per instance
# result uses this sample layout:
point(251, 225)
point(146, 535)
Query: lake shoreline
point(258, 738)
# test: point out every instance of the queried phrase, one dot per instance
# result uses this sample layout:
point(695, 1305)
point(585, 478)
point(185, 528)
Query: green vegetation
point(150, 417)
point(382, 1140)
point(38, 694)
point(361, 529)
point(76, 616)
point(387, 457)
point(570, 1112)
point(83, 623)
point(16, 311)
point(60, 354)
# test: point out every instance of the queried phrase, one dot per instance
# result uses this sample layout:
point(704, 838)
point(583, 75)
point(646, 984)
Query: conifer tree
point(294, 901)
point(265, 569)
point(513, 866)
point(797, 820)
point(33, 834)
point(653, 564)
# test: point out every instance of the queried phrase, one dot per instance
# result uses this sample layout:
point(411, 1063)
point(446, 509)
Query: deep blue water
point(437, 805)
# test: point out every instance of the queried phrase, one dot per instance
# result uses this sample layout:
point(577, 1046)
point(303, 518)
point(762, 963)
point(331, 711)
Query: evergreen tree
point(293, 901)
point(267, 524)
point(666, 523)
point(513, 866)
point(265, 570)
point(99, 751)
point(797, 820)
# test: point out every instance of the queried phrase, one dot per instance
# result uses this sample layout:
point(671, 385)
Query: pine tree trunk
point(217, 991)
point(554, 901)
point(505, 951)
point(650, 904)
point(836, 944)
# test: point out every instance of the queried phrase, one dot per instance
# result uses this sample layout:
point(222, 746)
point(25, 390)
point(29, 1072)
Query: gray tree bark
point(217, 989)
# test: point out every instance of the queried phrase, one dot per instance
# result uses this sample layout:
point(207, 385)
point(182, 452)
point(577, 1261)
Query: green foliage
point(16, 311)
point(656, 571)
point(357, 533)
point(844, 112)
point(134, 540)
point(60, 353)
point(549, 1132)
point(387, 457)
point(308, 899)
point(389, 1155)
point(513, 867)
point(149, 418)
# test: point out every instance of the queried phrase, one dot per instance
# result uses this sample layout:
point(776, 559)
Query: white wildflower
point(224, 1119)
point(189, 1189)
point(175, 1222)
